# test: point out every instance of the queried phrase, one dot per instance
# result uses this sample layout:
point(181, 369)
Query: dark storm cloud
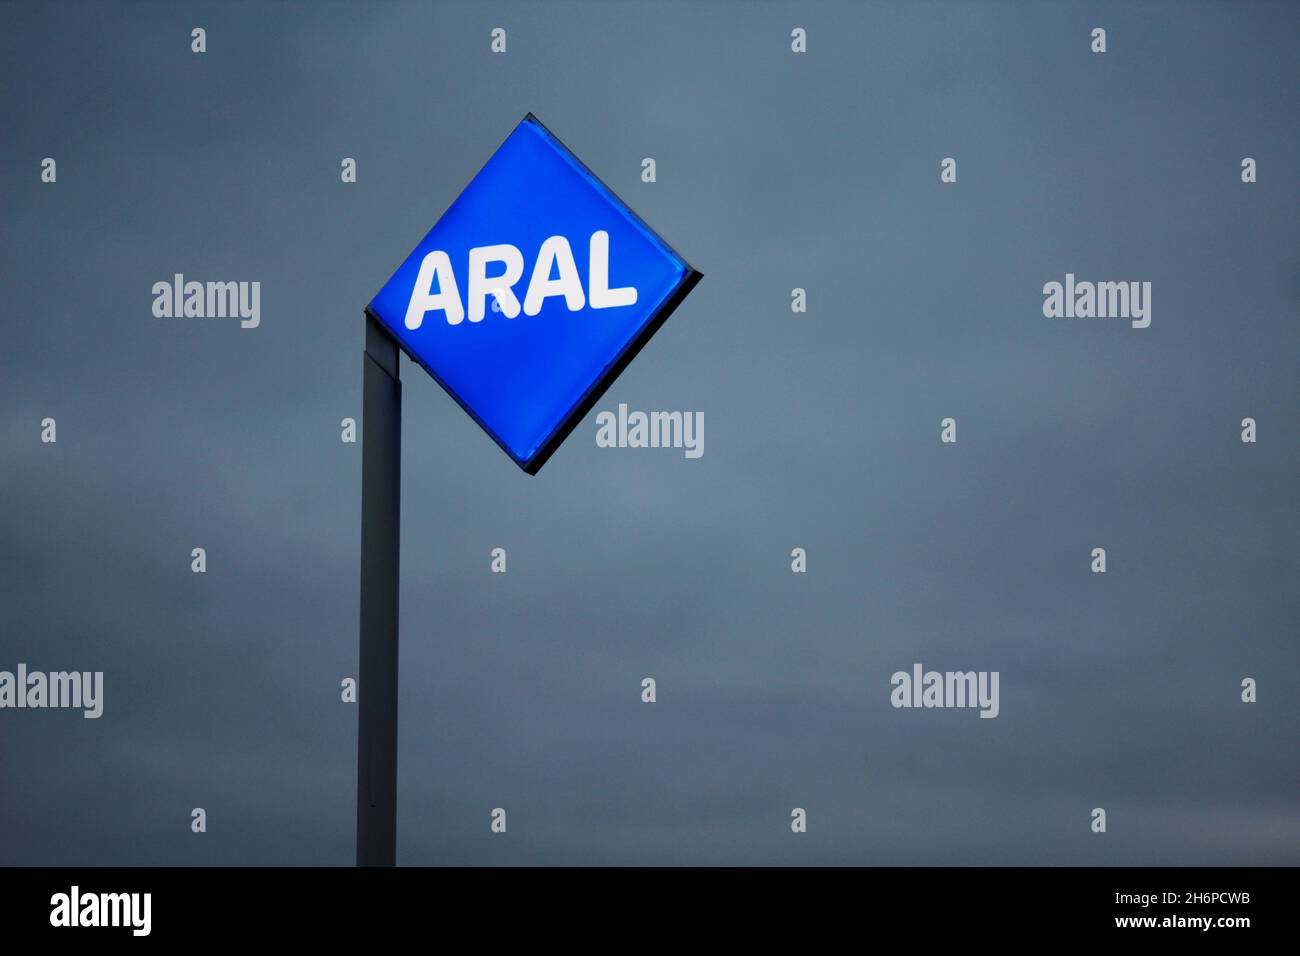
point(522, 690)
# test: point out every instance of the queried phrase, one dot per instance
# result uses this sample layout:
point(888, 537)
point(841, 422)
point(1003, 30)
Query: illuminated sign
point(533, 291)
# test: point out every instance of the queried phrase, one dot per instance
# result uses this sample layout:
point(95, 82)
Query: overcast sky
point(522, 690)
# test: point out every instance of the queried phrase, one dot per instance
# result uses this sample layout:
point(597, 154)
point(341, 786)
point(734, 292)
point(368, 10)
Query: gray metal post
point(381, 486)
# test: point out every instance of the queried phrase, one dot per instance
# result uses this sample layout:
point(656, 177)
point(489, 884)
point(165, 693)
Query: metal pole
point(381, 483)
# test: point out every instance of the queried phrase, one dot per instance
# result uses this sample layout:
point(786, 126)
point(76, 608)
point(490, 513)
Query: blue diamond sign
point(532, 292)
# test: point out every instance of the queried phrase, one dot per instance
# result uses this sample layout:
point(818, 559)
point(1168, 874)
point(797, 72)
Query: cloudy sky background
point(822, 431)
